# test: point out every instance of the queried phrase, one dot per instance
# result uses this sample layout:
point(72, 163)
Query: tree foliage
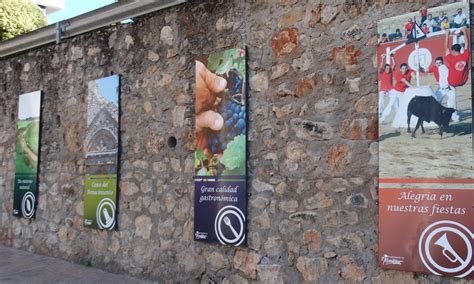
point(18, 17)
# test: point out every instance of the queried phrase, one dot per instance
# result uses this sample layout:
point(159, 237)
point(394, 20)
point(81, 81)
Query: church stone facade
point(102, 127)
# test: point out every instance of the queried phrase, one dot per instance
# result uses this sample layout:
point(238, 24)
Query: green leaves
point(235, 172)
point(234, 155)
point(221, 62)
point(233, 158)
point(240, 65)
point(18, 17)
point(198, 157)
point(204, 172)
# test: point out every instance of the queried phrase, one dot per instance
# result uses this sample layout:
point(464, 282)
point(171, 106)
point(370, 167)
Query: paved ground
point(18, 266)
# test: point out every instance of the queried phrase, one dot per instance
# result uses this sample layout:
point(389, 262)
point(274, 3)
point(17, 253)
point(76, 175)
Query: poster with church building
point(426, 175)
point(101, 150)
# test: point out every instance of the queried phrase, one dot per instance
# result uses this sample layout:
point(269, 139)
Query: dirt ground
point(429, 155)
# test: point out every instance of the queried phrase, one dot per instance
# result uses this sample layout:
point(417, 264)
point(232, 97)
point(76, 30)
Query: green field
point(32, 136)
point(26, 157)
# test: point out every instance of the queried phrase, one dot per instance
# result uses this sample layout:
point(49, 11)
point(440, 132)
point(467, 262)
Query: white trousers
point(392, 103)
point(382, 95)
point(450, 93)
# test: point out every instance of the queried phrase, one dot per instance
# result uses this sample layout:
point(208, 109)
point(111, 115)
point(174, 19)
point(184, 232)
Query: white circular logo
point(445, 247)
point(105, 214)
point(28, 205)
point(229, 226)
point(460, 65)
point(423, 56)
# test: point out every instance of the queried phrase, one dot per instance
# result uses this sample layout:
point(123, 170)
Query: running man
point(402, 82)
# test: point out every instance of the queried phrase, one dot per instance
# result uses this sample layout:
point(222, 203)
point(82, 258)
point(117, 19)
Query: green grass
point(23, 124)
point(32, 136)
point(23, 163)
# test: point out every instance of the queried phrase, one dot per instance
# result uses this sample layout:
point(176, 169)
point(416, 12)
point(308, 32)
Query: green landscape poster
point(27, 155)
point(101, 145)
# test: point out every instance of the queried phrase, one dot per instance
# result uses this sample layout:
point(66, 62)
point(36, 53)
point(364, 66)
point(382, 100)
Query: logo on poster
point(200, 235)
point(424, 57)
point(460, 66)
point(28, 205)
point(394, 260)
point(105, 214)
point(445, 248)
point(229, 226)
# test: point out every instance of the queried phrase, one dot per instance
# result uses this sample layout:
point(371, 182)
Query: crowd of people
point(450, 72)
point(428, 24)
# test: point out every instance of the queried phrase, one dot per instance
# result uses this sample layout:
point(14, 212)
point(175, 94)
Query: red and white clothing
point(409, 26)
point(458, 75)
point(386, 86)
point(434, 70)
point(399, 85)
point(386, 83)
point(441, 74)
point(424, 12)
point(396, 93)
point(458, 68)
point(444, 88)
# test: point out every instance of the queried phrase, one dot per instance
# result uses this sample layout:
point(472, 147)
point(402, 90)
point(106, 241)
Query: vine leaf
point(240, 171)
point(204, 172)
point(234, 155)
point(221, 62)
point(198, 157)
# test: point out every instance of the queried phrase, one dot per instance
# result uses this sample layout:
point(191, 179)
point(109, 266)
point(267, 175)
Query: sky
point(74, 8)
point(108, 87)
point(29, 105)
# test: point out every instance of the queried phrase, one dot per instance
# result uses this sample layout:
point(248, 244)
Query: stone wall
point(313, 152)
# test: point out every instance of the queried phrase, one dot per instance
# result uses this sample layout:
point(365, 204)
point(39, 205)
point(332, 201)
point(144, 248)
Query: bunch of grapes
point(232, 109)
point(234, 80)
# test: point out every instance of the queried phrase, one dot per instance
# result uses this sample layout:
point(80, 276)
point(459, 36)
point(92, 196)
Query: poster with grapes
point(220, 159)
point(27, 155)
point(101, 145)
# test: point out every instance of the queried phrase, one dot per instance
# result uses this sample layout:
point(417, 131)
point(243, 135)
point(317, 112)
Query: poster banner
point(27, 155)
point(426, 175)
point(102, 144)
point(220, 204)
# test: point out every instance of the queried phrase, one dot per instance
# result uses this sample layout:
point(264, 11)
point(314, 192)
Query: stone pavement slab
point(17, 266)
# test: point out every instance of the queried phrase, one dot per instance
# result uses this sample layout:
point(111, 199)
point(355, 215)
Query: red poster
point(426, 175)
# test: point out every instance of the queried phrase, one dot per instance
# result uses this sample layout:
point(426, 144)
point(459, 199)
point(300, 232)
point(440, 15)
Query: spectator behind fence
point(425, 28)
point(440, 18)
point(408, 28)
point(460, 19)
point(430, 23)
point(396, 36)
point(424, 14)
point(445, 24)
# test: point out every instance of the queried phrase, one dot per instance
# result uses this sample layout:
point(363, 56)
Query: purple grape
point(233, 110)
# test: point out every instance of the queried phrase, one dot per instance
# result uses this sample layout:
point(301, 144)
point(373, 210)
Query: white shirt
point(443, 76)
point(458, 19)
point(430, 24)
